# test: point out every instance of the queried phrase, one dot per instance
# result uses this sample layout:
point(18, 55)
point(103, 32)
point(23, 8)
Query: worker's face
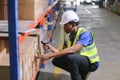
point(68, 28)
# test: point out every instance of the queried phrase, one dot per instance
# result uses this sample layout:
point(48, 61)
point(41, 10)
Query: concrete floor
point(106, 26)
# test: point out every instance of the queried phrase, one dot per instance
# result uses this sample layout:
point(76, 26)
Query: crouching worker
point(79, 54)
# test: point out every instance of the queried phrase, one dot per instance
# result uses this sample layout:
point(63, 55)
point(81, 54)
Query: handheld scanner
point(44, 43)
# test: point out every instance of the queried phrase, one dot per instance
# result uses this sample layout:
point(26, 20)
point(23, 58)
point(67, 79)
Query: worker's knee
point(58, 61)
point(54, 61)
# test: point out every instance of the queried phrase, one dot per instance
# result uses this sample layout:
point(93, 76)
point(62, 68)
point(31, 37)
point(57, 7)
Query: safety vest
point(90, 51)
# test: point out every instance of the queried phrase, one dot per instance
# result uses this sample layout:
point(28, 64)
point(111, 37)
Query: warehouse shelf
point(39, 20)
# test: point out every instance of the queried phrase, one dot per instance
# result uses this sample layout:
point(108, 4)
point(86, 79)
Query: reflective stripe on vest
point(89, 51)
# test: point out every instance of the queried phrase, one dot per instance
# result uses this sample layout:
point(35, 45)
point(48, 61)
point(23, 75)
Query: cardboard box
point(29, 46)
point(4, 2)
point(1, 12)
point(118, 8)
point(4, 42)
point(2, 53)
point(27, 49)
point(27, 9)
point(25, 12)
point(5, 68)
point(38, 32)
point(4, 45)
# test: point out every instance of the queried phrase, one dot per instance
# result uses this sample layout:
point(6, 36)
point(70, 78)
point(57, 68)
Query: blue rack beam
point(13, 39)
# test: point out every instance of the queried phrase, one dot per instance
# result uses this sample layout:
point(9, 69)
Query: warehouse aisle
point(105, 25)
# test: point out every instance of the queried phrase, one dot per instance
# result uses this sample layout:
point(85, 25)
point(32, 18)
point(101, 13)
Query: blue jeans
point(77, 65)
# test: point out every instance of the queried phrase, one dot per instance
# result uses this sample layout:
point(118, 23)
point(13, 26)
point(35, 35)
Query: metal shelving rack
point(16, 39)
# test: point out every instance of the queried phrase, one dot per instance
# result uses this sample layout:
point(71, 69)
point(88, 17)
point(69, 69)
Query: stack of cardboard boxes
point(115, 7)
point(118, 7)
point(27, 9)
point(27, 50)
point(28, 63)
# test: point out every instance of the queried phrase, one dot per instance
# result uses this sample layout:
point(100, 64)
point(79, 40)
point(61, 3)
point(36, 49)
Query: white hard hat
point(69, 16)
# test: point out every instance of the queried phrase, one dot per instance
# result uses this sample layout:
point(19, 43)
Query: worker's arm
point(65, 51)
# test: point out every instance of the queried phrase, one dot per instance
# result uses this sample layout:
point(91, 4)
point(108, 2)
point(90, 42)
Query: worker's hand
point(47, 46)
point(45, 56)
point(37, 56)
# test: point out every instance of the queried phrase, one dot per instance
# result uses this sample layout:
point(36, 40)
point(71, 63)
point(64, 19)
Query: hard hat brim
point(62, 23)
